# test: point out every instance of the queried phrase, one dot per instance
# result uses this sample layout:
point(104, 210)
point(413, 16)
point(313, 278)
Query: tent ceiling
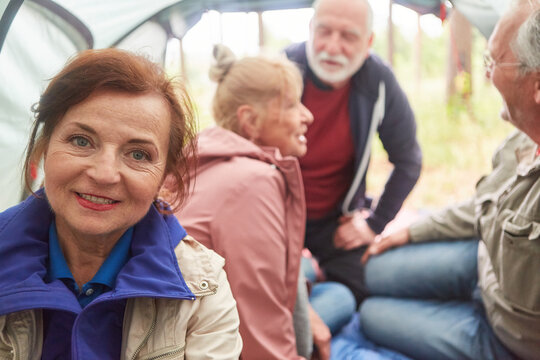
point(111, 21)
point(105, 23)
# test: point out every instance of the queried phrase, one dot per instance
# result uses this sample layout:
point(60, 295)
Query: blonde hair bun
point(223, 60)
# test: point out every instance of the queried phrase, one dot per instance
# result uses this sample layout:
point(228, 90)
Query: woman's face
point(105, 162)
point(285, 124)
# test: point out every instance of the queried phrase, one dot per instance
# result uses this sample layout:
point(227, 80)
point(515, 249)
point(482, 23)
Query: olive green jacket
point(505, 214)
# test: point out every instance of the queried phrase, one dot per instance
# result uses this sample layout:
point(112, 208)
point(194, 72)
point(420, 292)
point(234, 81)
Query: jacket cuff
point(376, 223)
point(421, 231)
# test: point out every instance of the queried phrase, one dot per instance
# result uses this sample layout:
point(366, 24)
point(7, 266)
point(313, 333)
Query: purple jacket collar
point(152, 270)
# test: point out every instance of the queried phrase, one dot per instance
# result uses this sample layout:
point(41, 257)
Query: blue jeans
point(425, 303)
point(332, 301)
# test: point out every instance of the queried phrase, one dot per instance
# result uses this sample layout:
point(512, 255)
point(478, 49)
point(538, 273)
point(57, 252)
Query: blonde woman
point(248, 202)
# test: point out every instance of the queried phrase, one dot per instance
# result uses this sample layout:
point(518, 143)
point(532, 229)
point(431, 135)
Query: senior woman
point(93, 267)
point(248, 202)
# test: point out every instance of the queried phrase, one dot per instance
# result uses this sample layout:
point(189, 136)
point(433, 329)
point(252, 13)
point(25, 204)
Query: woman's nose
point(307, 116)
point(104, 168)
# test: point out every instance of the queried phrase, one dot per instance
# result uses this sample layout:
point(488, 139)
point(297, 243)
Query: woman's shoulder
point(239, 173)
point(201, 267)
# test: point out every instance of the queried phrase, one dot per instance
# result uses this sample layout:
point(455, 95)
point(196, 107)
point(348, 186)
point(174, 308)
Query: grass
point(457, 142)
point(457, 138)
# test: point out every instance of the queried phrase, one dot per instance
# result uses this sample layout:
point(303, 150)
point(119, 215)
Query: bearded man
point(352, 95)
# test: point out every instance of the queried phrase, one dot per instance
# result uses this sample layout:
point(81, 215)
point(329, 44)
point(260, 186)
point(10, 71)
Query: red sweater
point(328, 166)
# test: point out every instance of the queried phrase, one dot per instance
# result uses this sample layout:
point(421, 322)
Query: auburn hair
point(123, 71)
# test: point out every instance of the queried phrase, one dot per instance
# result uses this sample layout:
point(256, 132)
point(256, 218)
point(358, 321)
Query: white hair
point(526, 45)
point(369, 15)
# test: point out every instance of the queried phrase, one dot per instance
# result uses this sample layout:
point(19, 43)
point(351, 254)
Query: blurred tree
point(458, 71)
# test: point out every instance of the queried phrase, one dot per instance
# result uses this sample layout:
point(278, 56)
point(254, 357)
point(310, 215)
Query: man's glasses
point(489, 63)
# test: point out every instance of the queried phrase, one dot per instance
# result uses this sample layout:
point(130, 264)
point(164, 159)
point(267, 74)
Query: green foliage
point(457, 137)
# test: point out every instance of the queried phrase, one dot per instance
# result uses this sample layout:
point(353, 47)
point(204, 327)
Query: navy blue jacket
point(152, 271)
point(377, 98)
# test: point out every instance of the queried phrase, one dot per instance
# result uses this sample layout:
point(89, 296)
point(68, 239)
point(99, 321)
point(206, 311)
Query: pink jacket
point(248, 205)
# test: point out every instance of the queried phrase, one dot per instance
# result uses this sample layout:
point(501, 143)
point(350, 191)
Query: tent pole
point(6, 19)
point(261, 29)
point(221, 28)
point(390, 34)
point(182, 58)
point(418, 53)
point(458, 72)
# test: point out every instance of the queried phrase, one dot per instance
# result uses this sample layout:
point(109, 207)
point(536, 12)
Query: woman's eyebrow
point(142, 142)
point(84, 127)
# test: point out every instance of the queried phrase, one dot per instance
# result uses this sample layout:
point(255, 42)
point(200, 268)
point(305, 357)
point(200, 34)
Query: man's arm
point(454, 222)
point(398, 135)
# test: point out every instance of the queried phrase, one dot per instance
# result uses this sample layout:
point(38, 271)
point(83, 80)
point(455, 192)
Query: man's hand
point(381, 244)
point(353, 232)
point(321, 336)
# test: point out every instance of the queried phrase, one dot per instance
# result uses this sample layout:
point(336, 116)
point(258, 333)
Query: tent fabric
point(483, 14)
point(38, 36)
point(27, 61)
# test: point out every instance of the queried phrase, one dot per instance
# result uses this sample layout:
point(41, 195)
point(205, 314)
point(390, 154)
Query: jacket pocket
point(169, 353)
point(6, 355)
point(521, 265)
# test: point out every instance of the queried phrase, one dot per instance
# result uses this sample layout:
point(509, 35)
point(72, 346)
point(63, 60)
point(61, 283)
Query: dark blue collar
point(107, 273)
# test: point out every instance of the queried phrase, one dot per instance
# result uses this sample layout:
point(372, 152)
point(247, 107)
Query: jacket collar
point(219, 144)
point(526, 158)
point(151, 271)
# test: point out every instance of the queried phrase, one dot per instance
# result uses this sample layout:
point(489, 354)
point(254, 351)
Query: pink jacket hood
point(216, 142)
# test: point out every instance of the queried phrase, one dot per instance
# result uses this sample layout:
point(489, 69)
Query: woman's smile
point(97, 203)
point(105, 162)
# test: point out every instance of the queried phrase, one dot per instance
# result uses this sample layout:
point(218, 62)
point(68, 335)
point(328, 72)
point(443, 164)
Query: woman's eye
point(80, 141)
point(139, 155)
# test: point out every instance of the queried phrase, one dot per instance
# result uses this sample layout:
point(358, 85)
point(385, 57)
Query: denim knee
point(432, 270)
point(334, 303)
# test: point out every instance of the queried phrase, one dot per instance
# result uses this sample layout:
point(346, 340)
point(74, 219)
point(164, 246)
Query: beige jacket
point(505, 214)
point(206, 328)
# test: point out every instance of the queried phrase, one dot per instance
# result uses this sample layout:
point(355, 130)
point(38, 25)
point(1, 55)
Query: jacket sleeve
point(461, 220)
point(454, 222)
point(213, 330)
point(249, 232)
point(398, 135)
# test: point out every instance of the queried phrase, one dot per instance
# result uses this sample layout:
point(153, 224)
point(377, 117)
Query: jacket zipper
point(167, 354)
point(147, 336)
point(15, 351)
point(153, 327)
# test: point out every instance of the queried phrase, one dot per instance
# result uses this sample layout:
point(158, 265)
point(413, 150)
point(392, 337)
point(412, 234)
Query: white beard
point(349, 67)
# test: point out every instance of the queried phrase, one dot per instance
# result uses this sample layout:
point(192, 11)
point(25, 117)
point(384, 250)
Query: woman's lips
point(97, 203)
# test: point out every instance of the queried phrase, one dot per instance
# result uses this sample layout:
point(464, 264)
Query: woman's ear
point(247, 120)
